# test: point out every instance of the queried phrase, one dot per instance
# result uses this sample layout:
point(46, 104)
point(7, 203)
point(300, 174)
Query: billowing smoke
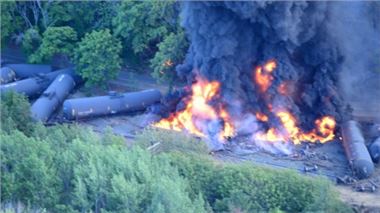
point(356, 29)
point(310, 42)
point(319, 50)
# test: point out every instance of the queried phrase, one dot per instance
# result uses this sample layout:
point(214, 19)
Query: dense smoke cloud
point(308, 40)
point(355, 26)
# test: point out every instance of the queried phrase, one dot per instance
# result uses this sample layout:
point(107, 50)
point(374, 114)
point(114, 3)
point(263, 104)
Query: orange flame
point(198, 112)
point(198, 108)
point(264, 79)
point(261, 117)
point(270, 66)
point(168, 63)
point(323, 132)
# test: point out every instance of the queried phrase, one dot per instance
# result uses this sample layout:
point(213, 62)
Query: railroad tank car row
point(54, 86)
point(11, 72)
point(107, 105)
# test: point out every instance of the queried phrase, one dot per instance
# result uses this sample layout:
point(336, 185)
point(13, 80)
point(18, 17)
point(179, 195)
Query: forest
point(97, 36)
point(71, 168)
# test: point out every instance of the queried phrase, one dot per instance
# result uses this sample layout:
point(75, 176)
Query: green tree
point(98, 57)
point(15, 113)
point(143, 24)
point(72, 169)
point(31, 41)
point(171, 51)
point(6, 21)
point(83, 16)
point(56, 40)
point(26, 170)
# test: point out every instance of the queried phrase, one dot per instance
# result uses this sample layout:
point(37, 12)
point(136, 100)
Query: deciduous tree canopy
point(97, 57)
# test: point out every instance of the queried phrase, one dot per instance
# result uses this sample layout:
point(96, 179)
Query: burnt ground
point(329, 158)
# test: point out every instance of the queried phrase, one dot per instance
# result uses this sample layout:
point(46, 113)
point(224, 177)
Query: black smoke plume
point(308, 40)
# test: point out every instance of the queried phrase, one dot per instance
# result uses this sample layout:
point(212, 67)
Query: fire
point(270, 66)
point(289, 130)
point(323, 132)
point(204, 119)
point(168, 63)
point(198, 110)
point(261, 117)
point(263, 75)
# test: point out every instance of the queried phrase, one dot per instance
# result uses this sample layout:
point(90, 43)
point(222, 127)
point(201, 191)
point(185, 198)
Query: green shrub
point(248, 188)
point(98, 57)
point(171, 52)
point(143, 23)
point(31, 41)
point(27, 174)
point(55, 40)
point(15, 114)
point(65, 169)
point(10, 22)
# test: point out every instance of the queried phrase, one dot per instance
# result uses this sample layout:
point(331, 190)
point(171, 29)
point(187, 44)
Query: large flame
point(289, 131)
point(199, 113)
point(199, 110)
point(263, 75)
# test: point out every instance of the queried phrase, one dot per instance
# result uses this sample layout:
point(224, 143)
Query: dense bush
point(171, 52)
point(144, 24)
point(66, 169)
point(229, 187)
point(70, 169)
point(31, 41)
point(149, 31)
point(98, 57)
point(15, 113)
point(56, 40)
point(7, 27)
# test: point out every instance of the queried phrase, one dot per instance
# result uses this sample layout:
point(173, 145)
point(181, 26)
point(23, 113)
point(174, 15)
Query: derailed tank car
point(107, 105)
point(29, 70)
point(52, 97)
point(34, 86)
point(374, 150)
point(356, 151)
point(7, 75)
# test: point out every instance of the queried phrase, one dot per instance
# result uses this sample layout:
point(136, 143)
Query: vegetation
point(171, 52)
point(149, 30)
point(72, 169)
point(56, 40)
point(144, 24)
point(98, 57)
point(31, 41)
point(7, 21)
point(15, 113)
